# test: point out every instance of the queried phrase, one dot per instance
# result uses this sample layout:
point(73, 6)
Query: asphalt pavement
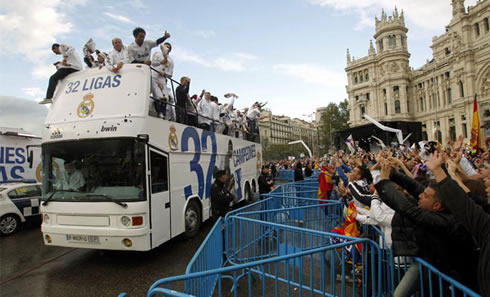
point(29, 268)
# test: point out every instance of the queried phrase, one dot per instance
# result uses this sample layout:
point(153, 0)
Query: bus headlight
point(126, 221)
point(48, 238)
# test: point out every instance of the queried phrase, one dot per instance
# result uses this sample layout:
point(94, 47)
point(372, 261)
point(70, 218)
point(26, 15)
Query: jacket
point(360, 192)
point(433, 236)
point(220, 199)
point(476, 221)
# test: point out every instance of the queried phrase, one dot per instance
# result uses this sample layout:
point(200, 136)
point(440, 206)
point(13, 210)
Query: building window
point(367, 96)
point(363, 111)
point(396, 91)
point(461, 88)
point(421, 104)
point(439, 136)
point(357, 98)
point(367, 76)
point(448, 51)
point(392, 41)
point(397, 106)
point(361, 77)
point(449, 96)
point(465, 133)
point(386, 108)
point(380, 44)
point(355, 79)
point(477, 29)
point(486, 24)
point(448, 74)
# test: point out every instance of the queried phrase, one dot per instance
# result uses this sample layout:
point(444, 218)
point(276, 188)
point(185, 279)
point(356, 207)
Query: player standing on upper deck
point(140, 49)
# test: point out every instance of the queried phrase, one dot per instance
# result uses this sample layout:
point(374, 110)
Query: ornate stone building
point(434, 101)
point(275, 129)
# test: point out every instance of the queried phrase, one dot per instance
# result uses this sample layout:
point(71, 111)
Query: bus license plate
point(83, 238)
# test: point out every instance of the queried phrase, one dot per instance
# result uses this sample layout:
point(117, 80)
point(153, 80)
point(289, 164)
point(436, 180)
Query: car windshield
point(92, 170)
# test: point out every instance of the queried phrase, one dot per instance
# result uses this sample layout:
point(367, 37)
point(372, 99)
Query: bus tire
point(9, 224)
point(192, 219)
point(249, 197)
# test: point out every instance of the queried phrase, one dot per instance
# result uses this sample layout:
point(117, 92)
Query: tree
point(334, 118)
point(282, 151)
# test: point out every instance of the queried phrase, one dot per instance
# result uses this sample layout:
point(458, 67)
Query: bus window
point(92, 170)
point(159, 178)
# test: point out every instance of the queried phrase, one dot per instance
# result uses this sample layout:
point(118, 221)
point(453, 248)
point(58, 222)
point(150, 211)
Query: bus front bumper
point(96, 238)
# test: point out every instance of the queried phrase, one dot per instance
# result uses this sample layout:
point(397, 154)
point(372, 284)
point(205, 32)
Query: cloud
point(137, 4)
point(313, 74)
point(428, 15)
point(119, 18)
point(236, 62)
point(33, 92)
point(30, 116)
point(28, 28)
point(206, 34)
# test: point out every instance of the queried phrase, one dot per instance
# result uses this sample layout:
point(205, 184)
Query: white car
point(18, 201)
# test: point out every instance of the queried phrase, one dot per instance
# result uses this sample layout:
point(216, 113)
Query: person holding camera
point(220, 196)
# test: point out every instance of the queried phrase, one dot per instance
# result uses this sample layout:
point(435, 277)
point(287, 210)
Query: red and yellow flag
point(475, 141)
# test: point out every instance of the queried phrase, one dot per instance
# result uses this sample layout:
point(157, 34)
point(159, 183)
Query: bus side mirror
point(30, 158)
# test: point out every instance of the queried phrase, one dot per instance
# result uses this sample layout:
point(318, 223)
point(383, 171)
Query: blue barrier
point(431, 279)
point(201, 261)
point(281, 246)
point(286, 174)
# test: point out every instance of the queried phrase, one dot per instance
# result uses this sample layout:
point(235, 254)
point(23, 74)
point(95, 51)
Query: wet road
point(28, 268)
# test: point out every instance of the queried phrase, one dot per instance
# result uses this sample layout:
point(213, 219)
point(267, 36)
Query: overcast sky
point(291, 53)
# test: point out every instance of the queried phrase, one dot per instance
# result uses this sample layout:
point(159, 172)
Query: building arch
point(483, 81)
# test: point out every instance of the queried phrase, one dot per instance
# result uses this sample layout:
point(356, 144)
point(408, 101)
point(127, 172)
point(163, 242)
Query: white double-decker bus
point(116, 178)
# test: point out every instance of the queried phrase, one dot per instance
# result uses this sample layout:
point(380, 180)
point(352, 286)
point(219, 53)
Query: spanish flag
point(475, 141)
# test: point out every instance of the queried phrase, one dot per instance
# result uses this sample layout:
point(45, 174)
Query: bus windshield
point(94, 170)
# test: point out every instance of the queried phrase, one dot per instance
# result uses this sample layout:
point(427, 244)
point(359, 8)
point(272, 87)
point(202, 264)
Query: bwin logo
point(56, 134)
point(112, 128)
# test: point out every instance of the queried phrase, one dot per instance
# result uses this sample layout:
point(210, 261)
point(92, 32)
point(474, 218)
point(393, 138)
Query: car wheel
point(192, 219)
point(8, 224)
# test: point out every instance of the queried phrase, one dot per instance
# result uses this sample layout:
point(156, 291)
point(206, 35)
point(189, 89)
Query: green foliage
point(282, 151)
point(334, 118)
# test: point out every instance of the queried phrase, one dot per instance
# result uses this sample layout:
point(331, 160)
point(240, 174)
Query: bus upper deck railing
point(183, 114)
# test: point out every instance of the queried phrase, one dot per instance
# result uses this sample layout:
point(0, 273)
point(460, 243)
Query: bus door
point(159, 197)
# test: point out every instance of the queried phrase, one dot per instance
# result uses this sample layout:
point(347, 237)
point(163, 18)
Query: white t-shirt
point(205, 111)
point(253, 114)
point(116, 56)
point(72, 58)
point(141, 53)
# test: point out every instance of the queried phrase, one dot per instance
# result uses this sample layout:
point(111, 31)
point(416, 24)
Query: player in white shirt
point(71, 62)
point(140, 49)
point(163, 69)
point(205, 111)
point(118, 56)
point(253, 117)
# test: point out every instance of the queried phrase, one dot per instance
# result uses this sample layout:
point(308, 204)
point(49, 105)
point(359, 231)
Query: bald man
point(118, 56)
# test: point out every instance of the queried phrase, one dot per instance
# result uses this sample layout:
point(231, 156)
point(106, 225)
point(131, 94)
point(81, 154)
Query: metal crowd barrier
point(431, 282)
point(286, 174)
point(282, 246)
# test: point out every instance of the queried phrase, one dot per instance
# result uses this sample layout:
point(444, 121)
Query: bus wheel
point(8, 224)
point(249, 197)
point(192, 219)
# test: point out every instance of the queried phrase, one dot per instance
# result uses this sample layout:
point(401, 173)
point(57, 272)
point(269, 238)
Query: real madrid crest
point(173, 141)
point(87, 106)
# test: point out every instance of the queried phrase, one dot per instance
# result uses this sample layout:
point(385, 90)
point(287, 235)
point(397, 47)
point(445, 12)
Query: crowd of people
point(431, 202)
point(204, 111)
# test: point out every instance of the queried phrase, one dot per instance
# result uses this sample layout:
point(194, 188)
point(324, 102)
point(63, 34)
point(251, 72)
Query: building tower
point(393, 71)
